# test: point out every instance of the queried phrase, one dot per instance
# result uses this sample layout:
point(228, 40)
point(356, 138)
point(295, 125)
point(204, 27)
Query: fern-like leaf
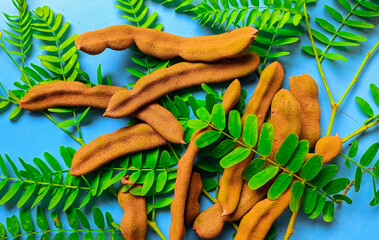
point(62, 59)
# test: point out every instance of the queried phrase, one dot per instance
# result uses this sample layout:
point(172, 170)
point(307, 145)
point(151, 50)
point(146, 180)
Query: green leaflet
point(253, 168)
point(279, 186)
point(311, 167)
point(297, 190)
point(325, 175)
point(287, 148)
point(262, 177)
point(237, 155)
point(309, 200)
point(336, 185)
point(234, 124)
point(250, 131)
point(328, 213)
point(266, 139)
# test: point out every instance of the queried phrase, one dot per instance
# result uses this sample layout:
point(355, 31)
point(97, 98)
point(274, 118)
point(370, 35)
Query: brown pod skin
point(184, 168)
point(231, 181)
point(113, 145)
point(165, 45)
point(179, 76)
point(305, 89)
point(193, 205)
point(76, 94)
point(134, 222)
point(256, 224)
point(328, 147)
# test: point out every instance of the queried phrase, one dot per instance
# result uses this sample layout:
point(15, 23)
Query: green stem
point(77, 126)
point(359, 130)
point(173, 151)
point(206, 193)
point(80, 141)
point(154, 226)
point(359, 165)
point(269, 48)
point(317, 57)
point(44, 183)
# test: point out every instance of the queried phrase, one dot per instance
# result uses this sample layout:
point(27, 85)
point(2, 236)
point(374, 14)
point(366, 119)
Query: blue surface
point(33, 134)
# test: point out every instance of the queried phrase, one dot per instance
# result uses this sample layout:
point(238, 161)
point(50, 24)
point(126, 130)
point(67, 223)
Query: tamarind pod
point(231, 181)
point(185, 164)
point(192, 205)
point(134, 222)
point(305, 89)
point(328, 147)
point(75, 94)
point(210, 222)
point(67, 94)
point(256, 224)
point(179, 76)
point(113, 145)
point(165, 45)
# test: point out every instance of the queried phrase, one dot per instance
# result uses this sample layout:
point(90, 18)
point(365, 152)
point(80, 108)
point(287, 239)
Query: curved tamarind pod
point(210, 223)
point(165, 45)
point(256, 224)
point(184, 168)
point(179, 76)
point(134, 222)
point(192, 205)
point(231, 181)
point(305, 89)
point(75, 94)
point(328, 147)
point(113, 145)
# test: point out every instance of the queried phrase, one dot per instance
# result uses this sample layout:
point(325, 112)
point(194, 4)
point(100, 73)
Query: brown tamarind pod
point(179, 76)
point(134, 222)
point(328, 147)
point(210, 222)
point(193, 205)
point(256, 224)
point(165, 45)
point(231, 180)
point(113, 145)
point(184, 168)
point(75, 94)
point(305, 89)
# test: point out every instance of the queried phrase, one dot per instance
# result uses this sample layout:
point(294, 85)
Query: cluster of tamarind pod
point(210, 59)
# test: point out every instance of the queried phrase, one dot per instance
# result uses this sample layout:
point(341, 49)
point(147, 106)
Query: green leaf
point(26, 195)
point(369, 154)
point(66, 123)
point(210, 90)
point(56, 198)
point(40, 196)
point(364, 106)
point(234, 124)
point(161, 203)
point(309, 50)
point(319, 36)
point(10, 193)
point(210, 101)
point(152, 158)
point(26, 221)
point(203, 114)
point(13, 225)
point(98, 217)
point(4, 104)
point(358, 24)
point(161, 181)
point(266, 138)
point(297, 190)
point(287, 148)
point(182, 107)
point(165, 159)
point(353, 150)
point(250, 130)
point(15, 112)
point(41, 220)
point(218, 116)
point(336, 15)
point(279, 186)
point(297, 158)
point(237, 155)
point(335, 56)
point(344, 44)
point(148, 183)
point(135, 72)
point(278, 54)
point(343, 198)
point(262, 177)
point(326, 25)
point(2, 230)
point(345, 4)
point(253, 168)
point(363, 13)
point(328, 213)
point(336, 185)
point(309, 200)
point(252, 17)
point(358, 179)
point(285, 41)
point(209, 184)
point(207, 138)
point(52, 161)
point(3, 167)
point(52, 67)
point(296, 19)
point(375, 93)
point(209, 165)
point(325, 175)
point(265, 16)
point(221, 149)
point(70, 200)
point(311, 167)
point(351, 36)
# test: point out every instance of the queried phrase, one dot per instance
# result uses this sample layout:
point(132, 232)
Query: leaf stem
point(154, 226)
point(359, 165)
point(269, 48)
point(80, 141)
point(317, 58)
point(352, 182)
point(290, 229)
point(359, 130)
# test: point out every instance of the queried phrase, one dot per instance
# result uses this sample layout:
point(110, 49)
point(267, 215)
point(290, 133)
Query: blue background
point(33, 134)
